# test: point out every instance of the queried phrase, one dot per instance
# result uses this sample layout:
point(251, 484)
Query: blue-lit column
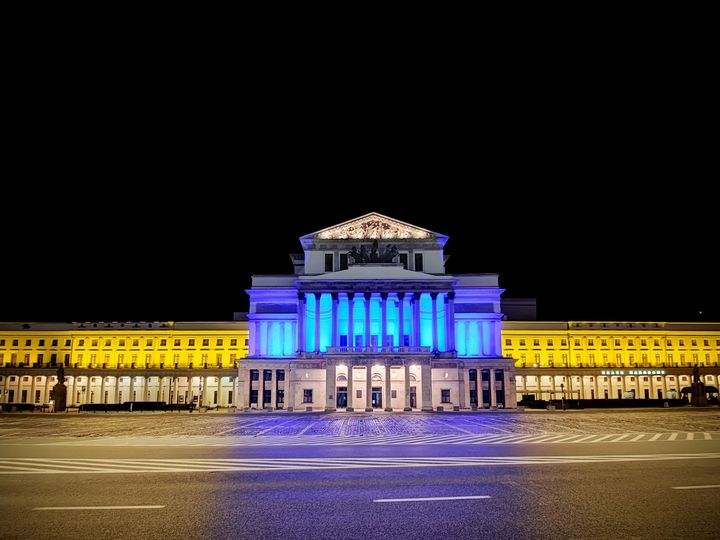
point(302, 305)
point(383, 317)
point(335, 339)
point(416, 319)
point(351, 320)
point(434, 296)
point(367, 318)
point(401, 323)
point(450, 317)
point(317, 322)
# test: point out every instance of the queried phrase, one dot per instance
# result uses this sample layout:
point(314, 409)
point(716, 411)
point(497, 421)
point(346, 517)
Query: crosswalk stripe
point(109, 466)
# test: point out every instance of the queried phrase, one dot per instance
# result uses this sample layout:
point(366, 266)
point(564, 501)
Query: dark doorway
point(413, 397)
point(376, 397)
point(341, 397)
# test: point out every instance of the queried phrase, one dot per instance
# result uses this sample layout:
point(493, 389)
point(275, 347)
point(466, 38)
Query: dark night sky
point(158, 217)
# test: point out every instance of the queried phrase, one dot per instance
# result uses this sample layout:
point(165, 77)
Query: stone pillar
point(664, 386)
point(45, 395)
point(273, 389)
point(407, 386)
point(302, 304)
point(426, 374)
point(493, 396)
point(102, 389)
point(582, 386)
point(401, 316)
point(350, 390)
point(253, 334)
point(32, 390)
point(383, 318)
point(388, 387)
point(117, 389)
point(330, 379)
point(462, 388)
point(335, 338)
point(317, 321)
point(189, 390)
point(368, 388)
point(433, 297)
point(367, 296)
point(416, 320)
point(289, 389)
point(132, 388)
point(5, 389)
point(450, 318)
point(351, 319)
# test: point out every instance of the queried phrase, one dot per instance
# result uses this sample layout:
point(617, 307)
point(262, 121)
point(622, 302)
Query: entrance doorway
point(413, 397)
point(341, 397)
point(376, 397)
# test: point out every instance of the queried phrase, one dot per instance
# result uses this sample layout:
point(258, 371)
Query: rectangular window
point(445, 395)
point(328, 262)
point(508, 342)
point(191, 342)
point(206, 342)
point(393, 394)
point(41, 343)
point(522, 342)
point(233, 342)
point(307, 395)
point(563, 342)
point(706, 342)
point(694, 342)
point(591, 342)
point(536, 342)
point(267, 375)
point(176, 343)
point(280, 374)
point(94, 343)
point(343, 261)
point(631, 343)
point(67, 342)
point(254, 375)
point(418, 262)
point(682, 342)
point(669, 342)
point(549, 342)
point(219, 342)
point(2, 342)
point(163, 342)
point(404, 260)
point(577, 342)
point(148, 342)
point(121, 343)
point(603, 342)
point(136, 343)
point(28, 342)
point(643, 342)
point(107, 342)
point(617, 343)
point(81, 343)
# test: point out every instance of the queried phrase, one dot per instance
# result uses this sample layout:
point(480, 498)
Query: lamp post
point(562, 396)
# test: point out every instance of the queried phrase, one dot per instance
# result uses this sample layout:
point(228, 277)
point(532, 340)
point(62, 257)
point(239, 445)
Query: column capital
point(433, 295)
point(301, 295)
point(401, 295)
point(334, 296)
point(384, 295)
point(367, 295)
point(416, 295)
point(350, 295)
point(451, 295)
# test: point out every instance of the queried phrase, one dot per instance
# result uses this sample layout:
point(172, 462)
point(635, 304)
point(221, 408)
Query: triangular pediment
point(373, 226)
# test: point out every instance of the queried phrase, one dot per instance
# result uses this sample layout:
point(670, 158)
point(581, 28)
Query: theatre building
point(369, 320)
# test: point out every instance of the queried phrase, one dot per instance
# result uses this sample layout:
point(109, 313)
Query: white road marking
point(655, 437)
point(637, 437)
point(95, 507)
point(433, 499)
point(697, 487)
point(672, 436)
point(127, 466)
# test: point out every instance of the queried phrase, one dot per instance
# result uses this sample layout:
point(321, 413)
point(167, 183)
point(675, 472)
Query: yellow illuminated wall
point(114, 348)
point(610, 344)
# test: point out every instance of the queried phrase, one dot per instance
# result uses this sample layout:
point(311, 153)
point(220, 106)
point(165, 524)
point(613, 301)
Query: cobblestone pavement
point(89, 425)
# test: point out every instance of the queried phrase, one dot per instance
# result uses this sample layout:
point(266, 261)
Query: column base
point(349, 409)
point(369, 409)
point(330, 409)
point(426, 409)
point(407, 409)
point(290, 409)
point(388, 409)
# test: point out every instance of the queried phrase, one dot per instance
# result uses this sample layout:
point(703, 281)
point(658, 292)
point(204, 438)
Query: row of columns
point(622, 385)
point(72, 383)
point(414, 298)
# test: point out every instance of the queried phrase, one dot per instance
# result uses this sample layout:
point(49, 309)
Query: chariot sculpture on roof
point(375, 254)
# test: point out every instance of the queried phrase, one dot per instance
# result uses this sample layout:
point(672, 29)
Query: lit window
point(205, 342)
point(163, 342)
point(694, 342)
point(549, 342)
point(603, 342)
point(577, 342)
point(148, 343)
point(522, 342)
point(617, 343)
point(536, 342)
point(94, 343)
point(191, 342)
point(643, 342)
point(177, 343)
point(563, 342)
point(508, 342)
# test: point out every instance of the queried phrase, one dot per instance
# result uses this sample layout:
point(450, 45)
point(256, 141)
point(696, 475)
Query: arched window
point(342, 378)
point(376, 377)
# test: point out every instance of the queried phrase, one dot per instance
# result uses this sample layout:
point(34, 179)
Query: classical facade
point(369, 320)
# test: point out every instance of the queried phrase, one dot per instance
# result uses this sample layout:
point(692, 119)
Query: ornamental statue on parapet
point(374, 255)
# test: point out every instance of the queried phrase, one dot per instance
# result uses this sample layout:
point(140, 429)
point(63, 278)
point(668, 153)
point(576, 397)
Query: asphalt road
point(584, 482)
